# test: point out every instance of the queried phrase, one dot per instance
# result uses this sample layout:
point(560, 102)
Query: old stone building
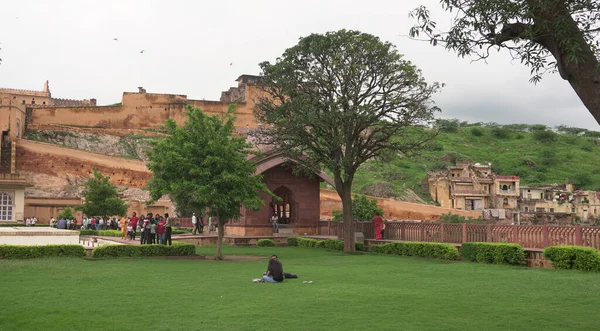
point(471, 186)
point(298, 205)
point(12, 184)
point(32, 98)
point(560, 199)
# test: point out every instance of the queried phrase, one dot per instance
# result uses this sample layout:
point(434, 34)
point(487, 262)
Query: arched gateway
point(299, 203)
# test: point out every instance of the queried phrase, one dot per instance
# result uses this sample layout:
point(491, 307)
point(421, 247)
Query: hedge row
point(573, 257)
point(333, 244)
point(12, 225)
point(31, 252)
point(496, 253)
point(117, 233)
point(420, 249)
point(178, 249)
point(266, 243)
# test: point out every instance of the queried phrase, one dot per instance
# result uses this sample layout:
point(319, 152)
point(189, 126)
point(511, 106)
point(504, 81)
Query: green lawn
point(349, 292)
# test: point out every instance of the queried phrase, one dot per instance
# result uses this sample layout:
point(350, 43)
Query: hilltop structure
point(472, 186)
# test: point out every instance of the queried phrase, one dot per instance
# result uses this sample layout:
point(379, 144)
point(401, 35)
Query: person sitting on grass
point(274, 272)
point(285, 274)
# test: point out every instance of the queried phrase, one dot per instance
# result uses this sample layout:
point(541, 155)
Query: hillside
point(533, 152)
point(536, 154)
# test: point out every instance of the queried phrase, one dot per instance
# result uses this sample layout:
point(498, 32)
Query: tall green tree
point(204, 163)
point(102, 198)
point(546, 35)
point(339, 99)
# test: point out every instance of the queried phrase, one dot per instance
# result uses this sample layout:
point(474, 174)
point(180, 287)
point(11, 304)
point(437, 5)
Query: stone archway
point(283, 208)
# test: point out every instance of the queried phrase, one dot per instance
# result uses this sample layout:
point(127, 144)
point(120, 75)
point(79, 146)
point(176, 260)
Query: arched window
point(505, 201)
point(6, 207)
point(283, 207)
point(504, 188)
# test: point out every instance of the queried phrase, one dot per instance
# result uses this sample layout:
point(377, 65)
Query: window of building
point(6, 207)
point(572, 210)
point(23, 102)
point(44, 102)
point(551, 210)
point(528, 190)
point(526, 209)
point(505, 201)
point(541, 195)
point(504, 187)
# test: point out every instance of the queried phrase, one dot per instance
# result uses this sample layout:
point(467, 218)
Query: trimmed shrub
point(359, 246)
point(292, 241)
point(178, 249)
point(12, 225)
point(573, 257)
point(30, 252)
point(307, 242)
point(320, 244)
point(266, 243)
point(419, 249)
point(496, 253)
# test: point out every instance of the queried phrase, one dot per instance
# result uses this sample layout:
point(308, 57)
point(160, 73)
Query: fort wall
point(394, 209)
point(59, 162)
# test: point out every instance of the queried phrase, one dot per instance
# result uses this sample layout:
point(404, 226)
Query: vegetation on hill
point(536, 153)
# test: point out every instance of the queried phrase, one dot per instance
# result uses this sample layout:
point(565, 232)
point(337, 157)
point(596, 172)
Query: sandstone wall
point(394, 209)
point(60, 162)
point(138, 110)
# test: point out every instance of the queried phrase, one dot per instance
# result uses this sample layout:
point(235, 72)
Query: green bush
point(11, 225)
point(320, 244)
point(500, 132)
point(292, 241)
point(29, 252)
point(178, 249)
point(266, 243)
point(477, 132)
point(496, 253)
point(544, 136)
point(419, 249)
point(573, 257)
point(306, 242)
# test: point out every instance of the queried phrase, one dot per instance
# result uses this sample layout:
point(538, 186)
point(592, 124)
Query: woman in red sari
point(378, 225)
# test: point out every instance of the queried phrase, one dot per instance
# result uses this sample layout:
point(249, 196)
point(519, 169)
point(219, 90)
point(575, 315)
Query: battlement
point(72, 102)
point(25, 92)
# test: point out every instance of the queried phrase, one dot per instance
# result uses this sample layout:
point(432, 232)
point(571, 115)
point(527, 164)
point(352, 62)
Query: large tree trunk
point(585, 80)
point(583, 73)
point(345, 192)
point(220, 227)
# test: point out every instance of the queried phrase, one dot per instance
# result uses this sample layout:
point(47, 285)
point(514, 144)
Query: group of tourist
point(153, 229)
point(30, 221)
point(198, 224)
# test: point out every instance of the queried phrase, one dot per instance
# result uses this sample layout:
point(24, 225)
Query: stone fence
point(529, 236)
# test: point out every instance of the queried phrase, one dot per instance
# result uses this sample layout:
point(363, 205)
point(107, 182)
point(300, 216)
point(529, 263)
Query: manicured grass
point(349, 292)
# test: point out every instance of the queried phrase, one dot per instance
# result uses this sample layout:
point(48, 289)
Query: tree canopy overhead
point(204, 166)
point(546, 35)
point(338, 99)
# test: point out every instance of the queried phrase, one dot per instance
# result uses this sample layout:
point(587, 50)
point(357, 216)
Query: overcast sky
point(189, 45)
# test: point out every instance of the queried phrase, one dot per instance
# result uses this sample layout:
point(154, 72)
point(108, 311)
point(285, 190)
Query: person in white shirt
point(194, 223)
point(52, 221)
point(33, 221)
point(28, 222)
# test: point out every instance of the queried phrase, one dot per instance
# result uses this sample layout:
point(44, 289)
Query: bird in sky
point(231, 63)
point(142, 51)
point(115, 39)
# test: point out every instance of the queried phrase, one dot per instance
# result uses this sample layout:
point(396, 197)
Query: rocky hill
point(534, 152)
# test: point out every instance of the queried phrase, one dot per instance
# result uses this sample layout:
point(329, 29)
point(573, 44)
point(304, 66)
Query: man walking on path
point(194, 223)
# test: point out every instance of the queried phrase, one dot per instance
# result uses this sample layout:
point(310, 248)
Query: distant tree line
point(455, 125)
